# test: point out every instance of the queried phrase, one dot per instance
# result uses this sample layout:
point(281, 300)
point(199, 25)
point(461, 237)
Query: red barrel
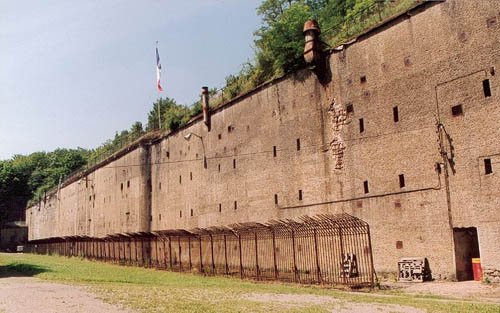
point(476, 269)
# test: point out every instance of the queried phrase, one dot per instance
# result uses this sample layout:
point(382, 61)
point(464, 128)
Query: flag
point(158, 69)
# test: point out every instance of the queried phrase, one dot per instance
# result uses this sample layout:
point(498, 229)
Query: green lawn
point(149, 290)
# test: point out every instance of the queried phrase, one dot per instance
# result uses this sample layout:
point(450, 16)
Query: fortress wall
point(300, 134)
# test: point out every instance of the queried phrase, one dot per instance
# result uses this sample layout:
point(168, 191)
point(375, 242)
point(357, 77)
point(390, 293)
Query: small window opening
point(361, 125)
point(219, 167)
point(180, 179)
point(159, 217)
point(395, 114)
point(220, 207)
point(401, 180)
point(121, 186)
point(191, 175)
point(492, 71)
point(229, 128)
point(362, 79)
point(274, 151)
point(235, 205)
point(349, 108)
point(365, 186)
point(220, 136)
point(128, 184)
point(298, 144)
point(457, 110)
point(399, 244)
point(191, 212)
point(90, 198)
point(275, 199)
point(168, 154)
point(300, 195)
point(488, 169)
point(234, 163)
point(180, 213)
point(486, 88)
point(159, 186)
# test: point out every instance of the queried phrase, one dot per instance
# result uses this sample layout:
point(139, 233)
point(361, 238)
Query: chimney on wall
point(312, 48)
point(204, 103)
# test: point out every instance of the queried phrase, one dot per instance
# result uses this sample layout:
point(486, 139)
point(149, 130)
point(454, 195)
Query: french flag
point(158, 69)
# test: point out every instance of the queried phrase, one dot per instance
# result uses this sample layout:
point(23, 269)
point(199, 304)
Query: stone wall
point(378, 139)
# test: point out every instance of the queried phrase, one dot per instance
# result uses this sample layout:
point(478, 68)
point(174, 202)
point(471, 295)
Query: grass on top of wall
point(149, 290)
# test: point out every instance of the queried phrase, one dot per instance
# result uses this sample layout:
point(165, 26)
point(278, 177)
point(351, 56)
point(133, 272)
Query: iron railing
point(326, 249)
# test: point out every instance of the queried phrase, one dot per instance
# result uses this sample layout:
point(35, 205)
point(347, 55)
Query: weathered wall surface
point(112, 199)
point(295, 147)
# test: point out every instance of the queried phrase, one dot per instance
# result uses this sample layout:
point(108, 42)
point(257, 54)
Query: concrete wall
point(423, 63)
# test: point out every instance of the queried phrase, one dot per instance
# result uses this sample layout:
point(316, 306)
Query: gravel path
point(28, 294)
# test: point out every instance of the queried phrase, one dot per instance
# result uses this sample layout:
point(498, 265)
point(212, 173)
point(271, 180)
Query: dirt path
point(473, 290)
point(27, 295)
point(334, 305)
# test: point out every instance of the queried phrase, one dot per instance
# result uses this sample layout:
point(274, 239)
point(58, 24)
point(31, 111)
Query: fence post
point(180, 252)
point(201, 258)
point(170, 251)
point(189, 252)
point(241, 257)
point(317, 256)
point(225, 255)
point(256, 258)
point(212, 249)
point(342, 256)
point(294, 258)
point(274, 256)
point(372, 269)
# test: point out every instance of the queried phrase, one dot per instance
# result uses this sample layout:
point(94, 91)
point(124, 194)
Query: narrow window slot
point(457, 110)
point(234, 163)
point(180, 213)
point(220, 207)
point(274, 151)
point(219, 167)
point(191, 175)
point(395, 114)
point(361, 125)
point(298, 144)
point(300, 195)
point(191, 212)
point(488, 169)
point(275, 199)
point(365, 186)
point(235, 205)
point(401, 180)
point(180, 179)
point(486, 88)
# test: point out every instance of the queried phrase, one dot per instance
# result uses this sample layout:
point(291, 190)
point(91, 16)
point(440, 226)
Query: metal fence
point(325, 249)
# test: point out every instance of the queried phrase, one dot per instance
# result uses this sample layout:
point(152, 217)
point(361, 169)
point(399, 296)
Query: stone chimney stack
point(312, 48)
point(206, 107)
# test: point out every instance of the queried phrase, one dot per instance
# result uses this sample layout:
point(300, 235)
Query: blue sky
point(74, 72)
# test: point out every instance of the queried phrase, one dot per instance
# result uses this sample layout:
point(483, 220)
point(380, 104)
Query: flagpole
point(159, 111)
point(158, 68)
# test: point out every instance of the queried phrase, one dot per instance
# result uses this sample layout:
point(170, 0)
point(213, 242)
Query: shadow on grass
point(17, 269)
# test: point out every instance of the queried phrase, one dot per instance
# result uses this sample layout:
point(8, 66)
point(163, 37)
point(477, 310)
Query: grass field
point(149, 290)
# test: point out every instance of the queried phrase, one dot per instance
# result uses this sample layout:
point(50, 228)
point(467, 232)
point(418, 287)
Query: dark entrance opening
point(466, 248)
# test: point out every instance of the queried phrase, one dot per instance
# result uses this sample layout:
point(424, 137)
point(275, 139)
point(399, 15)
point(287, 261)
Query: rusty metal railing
point(326, 249)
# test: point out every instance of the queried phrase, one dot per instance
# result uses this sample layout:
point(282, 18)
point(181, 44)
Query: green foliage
point(28, 177)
